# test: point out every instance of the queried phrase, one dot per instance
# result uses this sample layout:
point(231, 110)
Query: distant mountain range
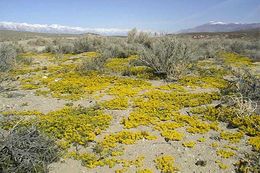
point(59, 29)
point(221, 27)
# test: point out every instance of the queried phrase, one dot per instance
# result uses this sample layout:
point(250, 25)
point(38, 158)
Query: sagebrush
point(7, 57)
point(168, 57)
point(26, 149)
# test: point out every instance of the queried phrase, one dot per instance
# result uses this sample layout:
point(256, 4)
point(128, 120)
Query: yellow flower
point(165, 164)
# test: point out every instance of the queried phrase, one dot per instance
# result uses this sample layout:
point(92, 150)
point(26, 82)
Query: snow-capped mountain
point(59, 29)
point(213, 26)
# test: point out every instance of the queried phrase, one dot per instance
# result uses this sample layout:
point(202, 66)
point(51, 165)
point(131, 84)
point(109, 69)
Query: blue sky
point(157, 15)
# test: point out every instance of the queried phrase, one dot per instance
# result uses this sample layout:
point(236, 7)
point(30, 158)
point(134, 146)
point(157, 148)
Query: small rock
point(201, 163)
point(215, 137)
point(167, 139)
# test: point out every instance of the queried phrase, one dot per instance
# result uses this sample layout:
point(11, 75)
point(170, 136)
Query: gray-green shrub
point(65, 48)
point(95, 63)
point(88, 43)
point(118, 48)
point(248, 84)
point(143, 38)
point(208, 48)
point(7, 57)
point(26, 149)
point(168, 57)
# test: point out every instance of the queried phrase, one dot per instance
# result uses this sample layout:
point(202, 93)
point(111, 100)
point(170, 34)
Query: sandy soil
point(185, 157)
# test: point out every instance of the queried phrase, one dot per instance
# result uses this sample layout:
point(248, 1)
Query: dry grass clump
point(243, 93)
point(242, 106)
point(25, 149)
point(247, 84)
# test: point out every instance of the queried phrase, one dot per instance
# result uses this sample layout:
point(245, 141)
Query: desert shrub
point(80, 45)
point(118, 48)
point(86, 44)
point(256, 55)
point(7, 57)
point(64, 48)
point(168, 57)
point(247, 84)
point(6, 83)
point(19, 48)
point(24, 60)
point(248, 163)
point(237, 46)
point(131, 35)
point(241, 46)
point(139, 37)
point(60, 48)
point(50, 48)
point(248, 48)
point(38, 42)
point(209, 48)
point(94, 63)
point(56, 41)
point(242, 106)
point(26, 150)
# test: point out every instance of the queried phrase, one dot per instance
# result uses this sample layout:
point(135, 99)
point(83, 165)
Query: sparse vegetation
point(101, 98)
